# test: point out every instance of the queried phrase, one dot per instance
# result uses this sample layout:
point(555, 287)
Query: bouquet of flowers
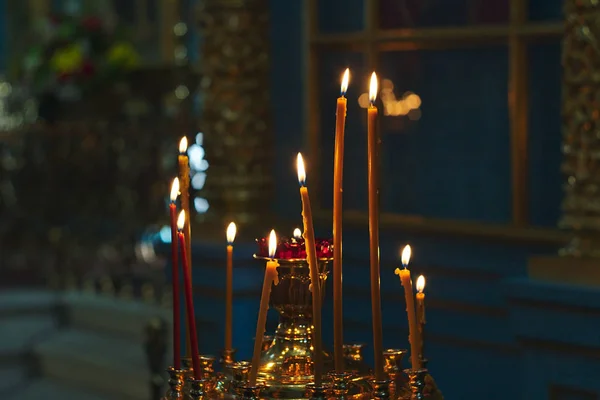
point(73, 54)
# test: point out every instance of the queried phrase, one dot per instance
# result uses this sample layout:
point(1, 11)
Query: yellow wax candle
point(184, 188)
point(311, 257)
point(231, 231)
point(420, 297)
point(271, 277)
point(338, 174)
point(373, 177)
point(413, 333)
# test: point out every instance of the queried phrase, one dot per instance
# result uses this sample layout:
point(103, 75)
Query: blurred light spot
point(182, 92)
point(199, 138)
point(363, 100)
point(387, 85)
point(198, 180)
point(145, 252)
point(180, 29)
point(201, 205)
point(165, 234)
point(5, 89)
point(180, 52)
point(414, 115)
point(413, 101)
point(196, 155)
point(203, 165)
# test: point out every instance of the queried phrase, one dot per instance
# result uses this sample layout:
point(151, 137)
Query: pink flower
point(91, 23)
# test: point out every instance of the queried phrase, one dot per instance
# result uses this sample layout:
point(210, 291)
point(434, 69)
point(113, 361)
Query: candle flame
point(272, 243)
point(181, 220)
point(406, 253)
point(174, 190)
point(231, 231)
point(301, 171)
point(420, 283)
point(373, 88)
point(297, 233)
point(345, 80)
point(183, 145)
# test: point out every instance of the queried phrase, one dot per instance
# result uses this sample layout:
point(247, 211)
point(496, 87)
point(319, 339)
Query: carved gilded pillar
point(234, 90)
point(581, 127)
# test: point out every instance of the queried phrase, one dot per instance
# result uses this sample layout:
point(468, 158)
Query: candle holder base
point(176, 380)
point(393, 368)
point(316, 392)
point(340, 384)
point(227, 358)
point(416, 383)
point(197, 389)
point(252, 392)
point(381, 390)
point(422, 386)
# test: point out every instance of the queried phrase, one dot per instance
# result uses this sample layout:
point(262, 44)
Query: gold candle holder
point(176, 380)
point(393, 368)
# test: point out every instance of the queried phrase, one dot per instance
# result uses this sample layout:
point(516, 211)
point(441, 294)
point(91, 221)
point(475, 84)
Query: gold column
point(236, 107)
point(581, 129)
point(169, 16)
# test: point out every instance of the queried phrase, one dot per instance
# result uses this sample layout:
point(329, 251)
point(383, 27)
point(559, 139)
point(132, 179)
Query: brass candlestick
point(240, 372)
point(227, 358)
point(252, 392)
point(340, 384)
point(197, 389)
point(393, 368)
point(316, 392)
point(416, 382)
point(286, 365)
point(381, 390)
point(176, 379)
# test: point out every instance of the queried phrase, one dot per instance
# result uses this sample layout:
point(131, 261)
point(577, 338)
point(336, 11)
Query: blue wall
point(512, 337)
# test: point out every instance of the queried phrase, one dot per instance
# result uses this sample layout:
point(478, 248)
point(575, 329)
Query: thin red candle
point(189, 301)
point(175, 278)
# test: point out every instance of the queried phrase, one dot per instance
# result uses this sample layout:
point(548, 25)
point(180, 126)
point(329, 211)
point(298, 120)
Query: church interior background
point(488, 122)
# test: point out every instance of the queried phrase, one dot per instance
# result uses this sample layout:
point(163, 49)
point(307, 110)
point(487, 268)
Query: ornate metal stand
point(286, 365)
point(581, 82)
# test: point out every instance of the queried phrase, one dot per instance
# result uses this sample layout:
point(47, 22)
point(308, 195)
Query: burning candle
point(311, 257)
point(231, 231)
point(421, 313)
point(373, 176)
point(297, 234)
point(338, 174)
point(413, 333)
point(189, 300)
point(270, 277)
point(184, 182)
point(175, 277)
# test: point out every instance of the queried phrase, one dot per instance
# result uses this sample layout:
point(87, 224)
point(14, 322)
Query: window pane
point(453, 161)
point(545, 137)
point(340, 16)
point(418, 13)
point(549, 10)
point(331, 67)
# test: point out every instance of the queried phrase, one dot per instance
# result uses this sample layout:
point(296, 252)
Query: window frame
point(372, 41)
